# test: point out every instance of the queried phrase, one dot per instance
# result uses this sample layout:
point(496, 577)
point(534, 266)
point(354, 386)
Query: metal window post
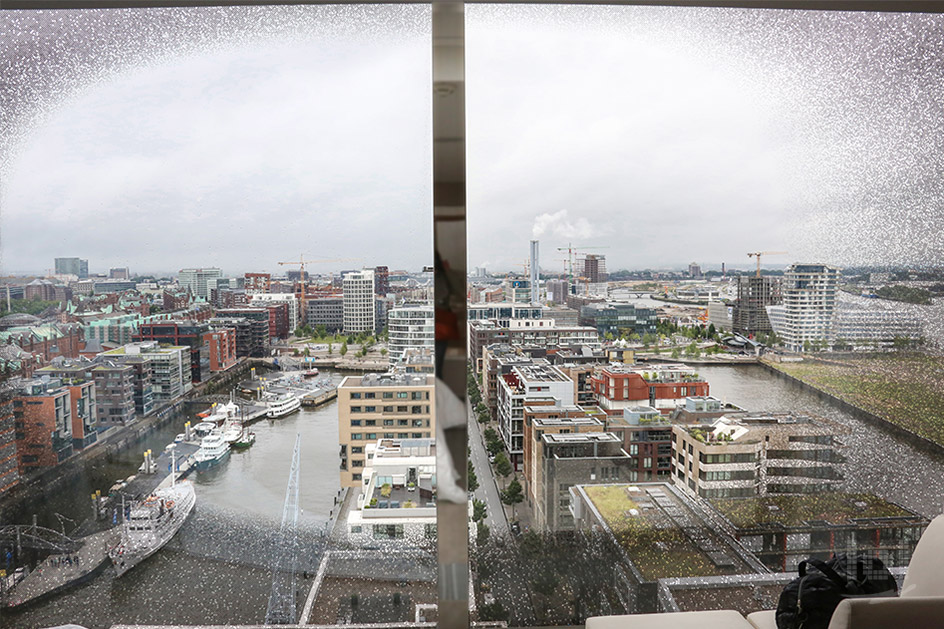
point(449, 242)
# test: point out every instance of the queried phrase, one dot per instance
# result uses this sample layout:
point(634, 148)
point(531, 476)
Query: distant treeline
point(906, 294)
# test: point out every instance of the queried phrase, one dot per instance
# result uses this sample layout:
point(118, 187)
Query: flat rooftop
point(388, 380)
point(833, 508)
point(540, 373)
point(661, 534)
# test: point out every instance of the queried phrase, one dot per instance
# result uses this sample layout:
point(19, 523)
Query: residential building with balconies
point(381, 406)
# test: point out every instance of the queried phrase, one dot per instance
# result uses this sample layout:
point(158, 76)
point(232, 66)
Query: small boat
point(221, 413)
point(232, 431)
point(245, 440)
point(203, 429)
point(311, 373)
point(213, 451)
point(280, 405)
point(151, 523)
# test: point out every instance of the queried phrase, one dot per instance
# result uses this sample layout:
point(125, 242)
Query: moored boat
point(245, 440)
point(213, 451)
point(281, 404)
point(151, 523)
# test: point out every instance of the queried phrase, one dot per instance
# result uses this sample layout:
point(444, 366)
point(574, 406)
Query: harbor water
point(217, 569)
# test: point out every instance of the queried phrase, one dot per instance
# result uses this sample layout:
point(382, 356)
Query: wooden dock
point(60, 571)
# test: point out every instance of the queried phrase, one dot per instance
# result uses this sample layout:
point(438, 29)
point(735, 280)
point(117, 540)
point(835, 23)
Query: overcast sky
point(239, 137)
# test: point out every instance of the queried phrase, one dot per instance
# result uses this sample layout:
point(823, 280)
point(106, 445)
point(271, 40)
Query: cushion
point(917, 612)
point(722, 619)
point(763, 620)
point(925, 576)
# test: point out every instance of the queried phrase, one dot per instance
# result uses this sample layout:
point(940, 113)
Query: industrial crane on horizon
point(303, 279)
point(758, 254)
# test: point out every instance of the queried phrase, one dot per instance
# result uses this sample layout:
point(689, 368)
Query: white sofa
point(920, 606)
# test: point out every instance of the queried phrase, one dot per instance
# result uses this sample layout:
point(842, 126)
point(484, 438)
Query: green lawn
point(657, 552)
point(832, 507)
point(905, 389)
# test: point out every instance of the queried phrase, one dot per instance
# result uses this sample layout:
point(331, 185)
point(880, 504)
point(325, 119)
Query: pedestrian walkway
point(61, 570)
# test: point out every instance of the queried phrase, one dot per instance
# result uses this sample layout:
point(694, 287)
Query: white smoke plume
point(561, 225)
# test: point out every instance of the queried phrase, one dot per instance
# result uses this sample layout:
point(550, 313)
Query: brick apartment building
point(42, 415)
point(221, 344)
point(659, 386)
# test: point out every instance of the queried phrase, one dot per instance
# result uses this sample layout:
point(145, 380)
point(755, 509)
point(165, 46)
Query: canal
point(216, 568)
point(877, 462)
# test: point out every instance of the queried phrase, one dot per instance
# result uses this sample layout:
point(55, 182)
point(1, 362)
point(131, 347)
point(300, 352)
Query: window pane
point(719, 204)
point(225, 206)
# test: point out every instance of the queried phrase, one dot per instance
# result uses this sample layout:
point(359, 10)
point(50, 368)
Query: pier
point(61, 570)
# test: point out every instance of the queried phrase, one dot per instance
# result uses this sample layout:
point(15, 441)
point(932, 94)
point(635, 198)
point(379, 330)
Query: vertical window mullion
point(449, 242)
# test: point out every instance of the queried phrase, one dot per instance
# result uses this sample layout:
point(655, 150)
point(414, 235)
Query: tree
point(322, 330)
point(675, 353)
point(712, 332)
point(478, 511)
point(383, 351)
point(330, 348)
point(494, 447)
point(493, 611)
point(343, 348)
point(473, 479)
point(503, 465)
point(512, 495)
point(482, 533)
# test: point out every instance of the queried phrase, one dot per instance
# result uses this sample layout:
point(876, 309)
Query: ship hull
point(126, 556)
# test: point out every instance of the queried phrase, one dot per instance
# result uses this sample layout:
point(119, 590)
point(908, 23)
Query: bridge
point(37, 538)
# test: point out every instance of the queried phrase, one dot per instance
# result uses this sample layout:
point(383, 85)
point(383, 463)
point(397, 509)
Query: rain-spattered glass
point(690, 174)
point(243, 141)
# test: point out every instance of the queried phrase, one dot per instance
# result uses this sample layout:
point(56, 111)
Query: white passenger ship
point(213, 451)
point(150, 523)
point(281, 404)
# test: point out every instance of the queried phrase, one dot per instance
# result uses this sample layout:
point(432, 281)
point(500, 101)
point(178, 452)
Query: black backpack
point(808, 602)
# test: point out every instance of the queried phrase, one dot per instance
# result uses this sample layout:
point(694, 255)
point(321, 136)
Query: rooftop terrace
point(833, 508)
point(660, 534)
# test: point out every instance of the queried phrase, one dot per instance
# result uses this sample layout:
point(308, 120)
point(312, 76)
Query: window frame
point(449, 217)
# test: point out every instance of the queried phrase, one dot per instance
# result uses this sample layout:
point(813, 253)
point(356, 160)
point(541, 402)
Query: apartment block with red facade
point(221, 343)
point(84, 413)
point(660, 386)
point(9, 468)
point(42, 414)
point(257, 282)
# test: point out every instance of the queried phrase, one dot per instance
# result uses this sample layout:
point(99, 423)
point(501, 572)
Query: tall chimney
point(535, 292)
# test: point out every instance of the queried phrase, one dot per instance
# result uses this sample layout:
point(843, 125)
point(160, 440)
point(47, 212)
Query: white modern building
point(359, 302)
point(261, 299)
point(397, 502)
point(807, 313)
point(196, 280)
point(868, 327)
point(410, 327)
point(524, 383)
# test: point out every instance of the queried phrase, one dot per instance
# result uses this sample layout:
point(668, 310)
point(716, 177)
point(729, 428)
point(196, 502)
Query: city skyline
point(712, 135)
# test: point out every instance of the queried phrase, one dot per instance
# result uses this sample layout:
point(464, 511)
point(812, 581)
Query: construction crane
point(282, 608)
point(571, 252)
point(303, 315)
point(758, 254)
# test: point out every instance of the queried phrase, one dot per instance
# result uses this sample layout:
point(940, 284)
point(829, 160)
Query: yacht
point(150, 523)
point(219, 414)
point(213, 451)
point(281, 404)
